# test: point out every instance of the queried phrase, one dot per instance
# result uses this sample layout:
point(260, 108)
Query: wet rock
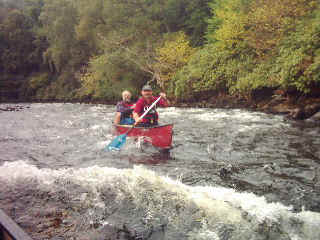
point(276, 105)
point(224, 173)
point(302, 113)
point(311, 110)
point(297, 114)
point(281, 109)
point(276, 100)
point(7, 109)
point(12, 109)
point(315, 117)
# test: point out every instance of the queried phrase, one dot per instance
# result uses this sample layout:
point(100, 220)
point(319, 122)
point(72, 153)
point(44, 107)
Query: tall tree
point(16, 43)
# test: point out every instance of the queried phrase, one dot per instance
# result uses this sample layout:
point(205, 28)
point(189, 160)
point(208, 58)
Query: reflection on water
point(56, 180)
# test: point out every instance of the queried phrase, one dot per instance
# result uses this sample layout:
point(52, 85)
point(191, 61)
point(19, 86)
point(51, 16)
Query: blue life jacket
point(126, 110)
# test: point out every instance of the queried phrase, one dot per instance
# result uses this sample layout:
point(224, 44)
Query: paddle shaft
point(149, 108)
point(145, 113)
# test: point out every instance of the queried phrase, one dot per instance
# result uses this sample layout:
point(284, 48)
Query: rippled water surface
point(231, 174)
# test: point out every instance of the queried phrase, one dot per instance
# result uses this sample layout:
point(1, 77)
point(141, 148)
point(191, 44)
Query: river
point(231, 174)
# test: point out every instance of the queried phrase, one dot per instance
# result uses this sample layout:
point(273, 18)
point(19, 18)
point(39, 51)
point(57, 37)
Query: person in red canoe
point(151, 119)
point(124, 110)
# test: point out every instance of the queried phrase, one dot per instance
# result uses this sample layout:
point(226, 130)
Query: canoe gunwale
point(151, 127)
point(9, 230)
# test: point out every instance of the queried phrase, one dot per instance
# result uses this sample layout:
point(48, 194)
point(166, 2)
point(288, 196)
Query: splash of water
point(144, 201)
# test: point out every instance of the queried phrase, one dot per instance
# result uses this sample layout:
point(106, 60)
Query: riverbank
point(293, 107)
point(296, 107)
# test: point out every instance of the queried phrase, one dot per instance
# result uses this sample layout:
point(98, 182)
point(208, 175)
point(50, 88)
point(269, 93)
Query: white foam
point(254, 205)
point(104, 143)
point(234, 115)
point(203, 235)
point(95, 127)
point(211, 205)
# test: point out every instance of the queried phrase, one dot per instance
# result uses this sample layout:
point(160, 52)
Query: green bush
point(298, 62)
point(243, 56)
point(38, 80)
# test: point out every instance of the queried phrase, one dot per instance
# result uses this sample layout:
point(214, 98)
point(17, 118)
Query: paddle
point(119, 141)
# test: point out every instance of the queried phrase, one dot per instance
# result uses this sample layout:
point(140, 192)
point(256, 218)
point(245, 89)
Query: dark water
point(231, 174)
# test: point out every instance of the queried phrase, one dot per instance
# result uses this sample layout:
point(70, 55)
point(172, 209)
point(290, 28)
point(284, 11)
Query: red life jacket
point(152, 116)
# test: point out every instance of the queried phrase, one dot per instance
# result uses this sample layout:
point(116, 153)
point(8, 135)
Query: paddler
point(151, 119)
point(124, 110)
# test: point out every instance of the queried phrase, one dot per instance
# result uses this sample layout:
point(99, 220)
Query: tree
point(59, 18)
point(269, 21)
point(171, 57)
point(17, 43)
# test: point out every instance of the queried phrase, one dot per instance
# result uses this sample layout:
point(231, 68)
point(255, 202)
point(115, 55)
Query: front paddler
point(124, 110)
point(150, 119)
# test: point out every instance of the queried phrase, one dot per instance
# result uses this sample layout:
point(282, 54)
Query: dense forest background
point(192, 49)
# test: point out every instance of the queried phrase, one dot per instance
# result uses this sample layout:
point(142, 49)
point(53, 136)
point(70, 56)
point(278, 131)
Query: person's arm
point(136, 118)
point(137, 109)
point(117, 118)
point(163, 102)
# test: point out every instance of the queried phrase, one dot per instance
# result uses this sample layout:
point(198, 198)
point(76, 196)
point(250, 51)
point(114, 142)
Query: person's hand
point(136, 122)
point(163, 95)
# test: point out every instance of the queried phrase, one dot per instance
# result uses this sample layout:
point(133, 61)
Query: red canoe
point(158, 136)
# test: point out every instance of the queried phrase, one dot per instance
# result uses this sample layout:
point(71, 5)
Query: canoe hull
point(9, 230)
point(158, 136)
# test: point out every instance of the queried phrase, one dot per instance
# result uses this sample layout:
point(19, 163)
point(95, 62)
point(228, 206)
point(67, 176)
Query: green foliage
point(39, 80)
point(107, 76)
point(16, 55)
point(252, 45)
point(59, 18)
point(172, 56)
point(68, 49)
point(126, 36)
point(211, 69)
point(188, 16)
point(299, 56)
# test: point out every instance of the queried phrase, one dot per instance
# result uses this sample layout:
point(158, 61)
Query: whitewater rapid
point(232, 174)
point(187, 212)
